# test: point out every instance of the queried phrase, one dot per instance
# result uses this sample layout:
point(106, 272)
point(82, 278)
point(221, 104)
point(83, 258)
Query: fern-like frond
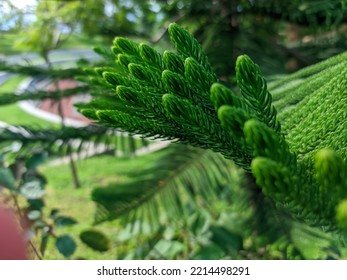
point(31, 70)
point(176, 96)
point(188, 46)
point(163, 96)
point(182, 179)
point(58, 141)
point(254, 91)
point(10, 98)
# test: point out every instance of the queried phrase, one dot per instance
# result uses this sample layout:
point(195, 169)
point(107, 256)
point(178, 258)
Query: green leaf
point(176, 84)
point(44, 240)
point(233, 119)
point(129, 95)
point(173, 62)
point(151, 56)
point(208, 252)
point(227, 240)
point(145, 74)
point(6, 178)
point(310, 242)
point(54, 213)
point(63, 221)
point(114, 79)
point(34, 215)
point(221, 95)
point(35, 160)
point(254, 91)
point(36, 204)
point(65, 245)
point(33, 189)
point(267, 143)
point(199, 222)
point(341, 214)
point(188, 46)
point(331, 173)
point(276, 180)
point(124, 60)
point(168, 249)
point(183, 111)
point(197, 75)
point(175, 106)
point(125, 45)
point(95, 240)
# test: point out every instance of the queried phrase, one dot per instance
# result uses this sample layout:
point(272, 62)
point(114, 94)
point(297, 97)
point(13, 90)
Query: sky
point(23, 3)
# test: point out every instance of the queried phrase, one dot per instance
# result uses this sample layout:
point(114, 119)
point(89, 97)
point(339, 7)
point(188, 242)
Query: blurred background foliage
point(280, 35)
point(213, 217)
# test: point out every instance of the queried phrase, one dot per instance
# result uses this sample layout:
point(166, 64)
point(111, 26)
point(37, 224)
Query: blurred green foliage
point(281, 36)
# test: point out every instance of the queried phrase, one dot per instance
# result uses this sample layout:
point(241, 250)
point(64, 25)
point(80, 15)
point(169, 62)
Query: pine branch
point(181, 172)
point(10, 98)
point(31, 70)
point(254, 91)
point(56, 141)
point(177, 97)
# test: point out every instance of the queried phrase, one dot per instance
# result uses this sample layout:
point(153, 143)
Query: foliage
point(177, 97)
point(23, 181)
point(293, 155)
point(21, 141)
point(181, 180)
point(95, 240)
point(11, 19)
point(273, 33)
point(53, 25)
point(304, 32)
point(56, 141)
